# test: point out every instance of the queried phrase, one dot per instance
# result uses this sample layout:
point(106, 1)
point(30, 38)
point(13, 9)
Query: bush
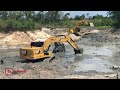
point(102, 22)
point(103, 27)
point(2, 25)
point(115, 16)
point(29, 24)
point(13, 25)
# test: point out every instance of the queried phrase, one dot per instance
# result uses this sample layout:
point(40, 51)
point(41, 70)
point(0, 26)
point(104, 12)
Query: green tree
point(71, 18)
point(77, 17)
point(19, 15)
point(65, 17)
point(39, 16)
point(82, 17)
point(52, 16)
point(115, 15)
point(87, 15)
point(28, 14)
point(98, 17)
point(3, 15)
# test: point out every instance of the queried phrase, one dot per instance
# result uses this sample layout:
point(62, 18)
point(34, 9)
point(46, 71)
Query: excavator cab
point(37, 44)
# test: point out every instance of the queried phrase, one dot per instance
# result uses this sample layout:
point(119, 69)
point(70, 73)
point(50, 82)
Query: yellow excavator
point(40, 50)
point(76, 30)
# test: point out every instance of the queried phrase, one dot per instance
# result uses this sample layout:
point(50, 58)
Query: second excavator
point(76, 30)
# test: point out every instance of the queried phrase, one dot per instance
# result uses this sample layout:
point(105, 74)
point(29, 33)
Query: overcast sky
point(91, 13)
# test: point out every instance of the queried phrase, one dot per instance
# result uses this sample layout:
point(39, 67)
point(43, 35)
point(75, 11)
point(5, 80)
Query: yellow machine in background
point(40, 50)
point(76, 30)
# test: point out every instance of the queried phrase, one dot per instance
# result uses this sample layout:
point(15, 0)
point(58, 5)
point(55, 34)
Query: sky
point(91, 13)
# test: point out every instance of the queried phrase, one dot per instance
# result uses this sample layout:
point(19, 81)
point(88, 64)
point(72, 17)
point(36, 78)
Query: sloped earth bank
point(18, 39)
point(101, 60)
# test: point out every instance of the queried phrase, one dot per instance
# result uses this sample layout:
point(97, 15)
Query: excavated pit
point(100, 59)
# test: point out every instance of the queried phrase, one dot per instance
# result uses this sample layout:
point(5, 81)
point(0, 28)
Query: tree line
point(30, 20)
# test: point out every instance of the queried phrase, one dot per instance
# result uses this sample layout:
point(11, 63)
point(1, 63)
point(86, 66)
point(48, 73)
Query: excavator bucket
point(79, 51)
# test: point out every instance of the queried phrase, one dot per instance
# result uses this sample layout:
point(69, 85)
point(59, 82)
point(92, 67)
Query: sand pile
point(21, 38)
point(95, 31)
point(42, 34)
point(38, 35)
point(2, 35)
point(18, 38)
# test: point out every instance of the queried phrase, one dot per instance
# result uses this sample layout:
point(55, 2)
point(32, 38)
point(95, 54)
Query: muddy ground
point(100, 60)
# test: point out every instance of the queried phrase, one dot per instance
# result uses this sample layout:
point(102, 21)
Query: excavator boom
point(64, 38)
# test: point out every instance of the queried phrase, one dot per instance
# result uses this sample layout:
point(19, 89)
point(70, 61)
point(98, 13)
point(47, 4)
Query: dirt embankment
point(68, 66)
point(25, 38)
point(22, 38)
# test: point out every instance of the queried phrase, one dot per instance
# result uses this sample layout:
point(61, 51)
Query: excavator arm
point(74, 45)
point(61, 38)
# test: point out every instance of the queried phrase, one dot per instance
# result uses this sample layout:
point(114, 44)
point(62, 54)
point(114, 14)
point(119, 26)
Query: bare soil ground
point(100, 59)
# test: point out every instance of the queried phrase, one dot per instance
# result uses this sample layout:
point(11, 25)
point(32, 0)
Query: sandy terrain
point(100, 59)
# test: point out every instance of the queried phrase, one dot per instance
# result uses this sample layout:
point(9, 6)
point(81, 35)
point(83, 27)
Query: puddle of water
point(115, 60)
point(94, 58)
point(106, 51)
point(94, 63)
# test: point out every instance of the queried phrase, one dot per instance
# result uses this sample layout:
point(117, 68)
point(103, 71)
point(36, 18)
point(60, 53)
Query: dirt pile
point(18, 38)
point(25, 38)
point(84, 33)
point(41, 35)
point(38, 35)
point(99, 37)
point(2, 35)
point(55, 31)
